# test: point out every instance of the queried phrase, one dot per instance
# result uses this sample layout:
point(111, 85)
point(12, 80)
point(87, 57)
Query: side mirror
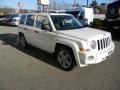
point(46, 27)
point(46, 24)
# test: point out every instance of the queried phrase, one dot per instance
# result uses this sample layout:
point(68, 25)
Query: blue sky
point(31, 4)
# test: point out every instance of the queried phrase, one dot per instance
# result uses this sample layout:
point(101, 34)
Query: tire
point(65, 58)
point(23, 43)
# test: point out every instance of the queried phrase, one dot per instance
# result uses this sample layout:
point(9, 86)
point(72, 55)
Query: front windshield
point(65, 22)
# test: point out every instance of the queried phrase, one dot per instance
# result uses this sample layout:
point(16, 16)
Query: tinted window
point(30, 20)
point(22, 20)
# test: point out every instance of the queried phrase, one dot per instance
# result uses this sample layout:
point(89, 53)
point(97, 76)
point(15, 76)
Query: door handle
point(25, 29)
point(36, 31)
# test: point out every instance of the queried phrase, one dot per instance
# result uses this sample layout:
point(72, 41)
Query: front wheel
point(65, 58)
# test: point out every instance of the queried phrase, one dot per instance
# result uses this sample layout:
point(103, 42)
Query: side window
point(39, 20)
point(42, 22)
point(30, 20)
point(22, 19)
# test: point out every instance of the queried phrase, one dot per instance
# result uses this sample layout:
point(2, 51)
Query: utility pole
point(87, 3)
point(20, 5)
point(74, 4)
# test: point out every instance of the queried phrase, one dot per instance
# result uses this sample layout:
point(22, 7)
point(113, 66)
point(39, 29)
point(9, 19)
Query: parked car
point(15, 21)
point(2, 19)
point(65, 36)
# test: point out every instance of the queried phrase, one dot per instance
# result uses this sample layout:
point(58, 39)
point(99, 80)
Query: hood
point(83, 33)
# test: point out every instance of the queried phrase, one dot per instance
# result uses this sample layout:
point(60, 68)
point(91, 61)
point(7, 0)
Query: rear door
point(29, 27)
point(22, 27)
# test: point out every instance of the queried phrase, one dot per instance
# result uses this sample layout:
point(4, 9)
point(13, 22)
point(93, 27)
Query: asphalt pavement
point(34, 69)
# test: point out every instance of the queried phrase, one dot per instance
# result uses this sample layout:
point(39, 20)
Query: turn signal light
point(83, 50)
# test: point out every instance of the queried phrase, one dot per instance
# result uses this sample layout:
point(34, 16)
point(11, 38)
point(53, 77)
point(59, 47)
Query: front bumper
point(96, 57)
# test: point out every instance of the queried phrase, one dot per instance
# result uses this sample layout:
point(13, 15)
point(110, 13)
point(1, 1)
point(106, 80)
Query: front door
point(42, 35)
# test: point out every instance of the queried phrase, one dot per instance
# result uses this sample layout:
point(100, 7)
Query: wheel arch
point(20, 33)
point(73, 46)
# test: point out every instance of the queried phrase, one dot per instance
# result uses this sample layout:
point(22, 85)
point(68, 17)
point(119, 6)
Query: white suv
point(64, 35)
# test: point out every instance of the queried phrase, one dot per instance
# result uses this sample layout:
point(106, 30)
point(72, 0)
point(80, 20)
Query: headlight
point(93, 44)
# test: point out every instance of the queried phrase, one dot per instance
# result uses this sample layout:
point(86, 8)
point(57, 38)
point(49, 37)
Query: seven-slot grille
point(103, 43)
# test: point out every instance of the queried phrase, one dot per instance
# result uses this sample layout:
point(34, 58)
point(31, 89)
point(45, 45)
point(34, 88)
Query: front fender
point(73, 45)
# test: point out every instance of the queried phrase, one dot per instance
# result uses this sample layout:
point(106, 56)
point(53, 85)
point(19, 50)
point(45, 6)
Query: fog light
point(90, 57)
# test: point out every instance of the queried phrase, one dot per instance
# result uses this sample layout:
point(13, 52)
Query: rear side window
point(22, 19)
point(30, 20)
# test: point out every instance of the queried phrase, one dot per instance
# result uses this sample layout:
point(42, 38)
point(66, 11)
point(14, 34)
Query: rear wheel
point(23, 42)
point(65, 58)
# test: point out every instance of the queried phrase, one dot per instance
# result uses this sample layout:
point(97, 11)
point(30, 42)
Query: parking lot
point(34, 69)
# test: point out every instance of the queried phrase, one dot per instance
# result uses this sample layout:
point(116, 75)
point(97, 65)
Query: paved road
point(33, 69)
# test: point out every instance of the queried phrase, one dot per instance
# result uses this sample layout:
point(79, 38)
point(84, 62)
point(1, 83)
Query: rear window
point(22, 20)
